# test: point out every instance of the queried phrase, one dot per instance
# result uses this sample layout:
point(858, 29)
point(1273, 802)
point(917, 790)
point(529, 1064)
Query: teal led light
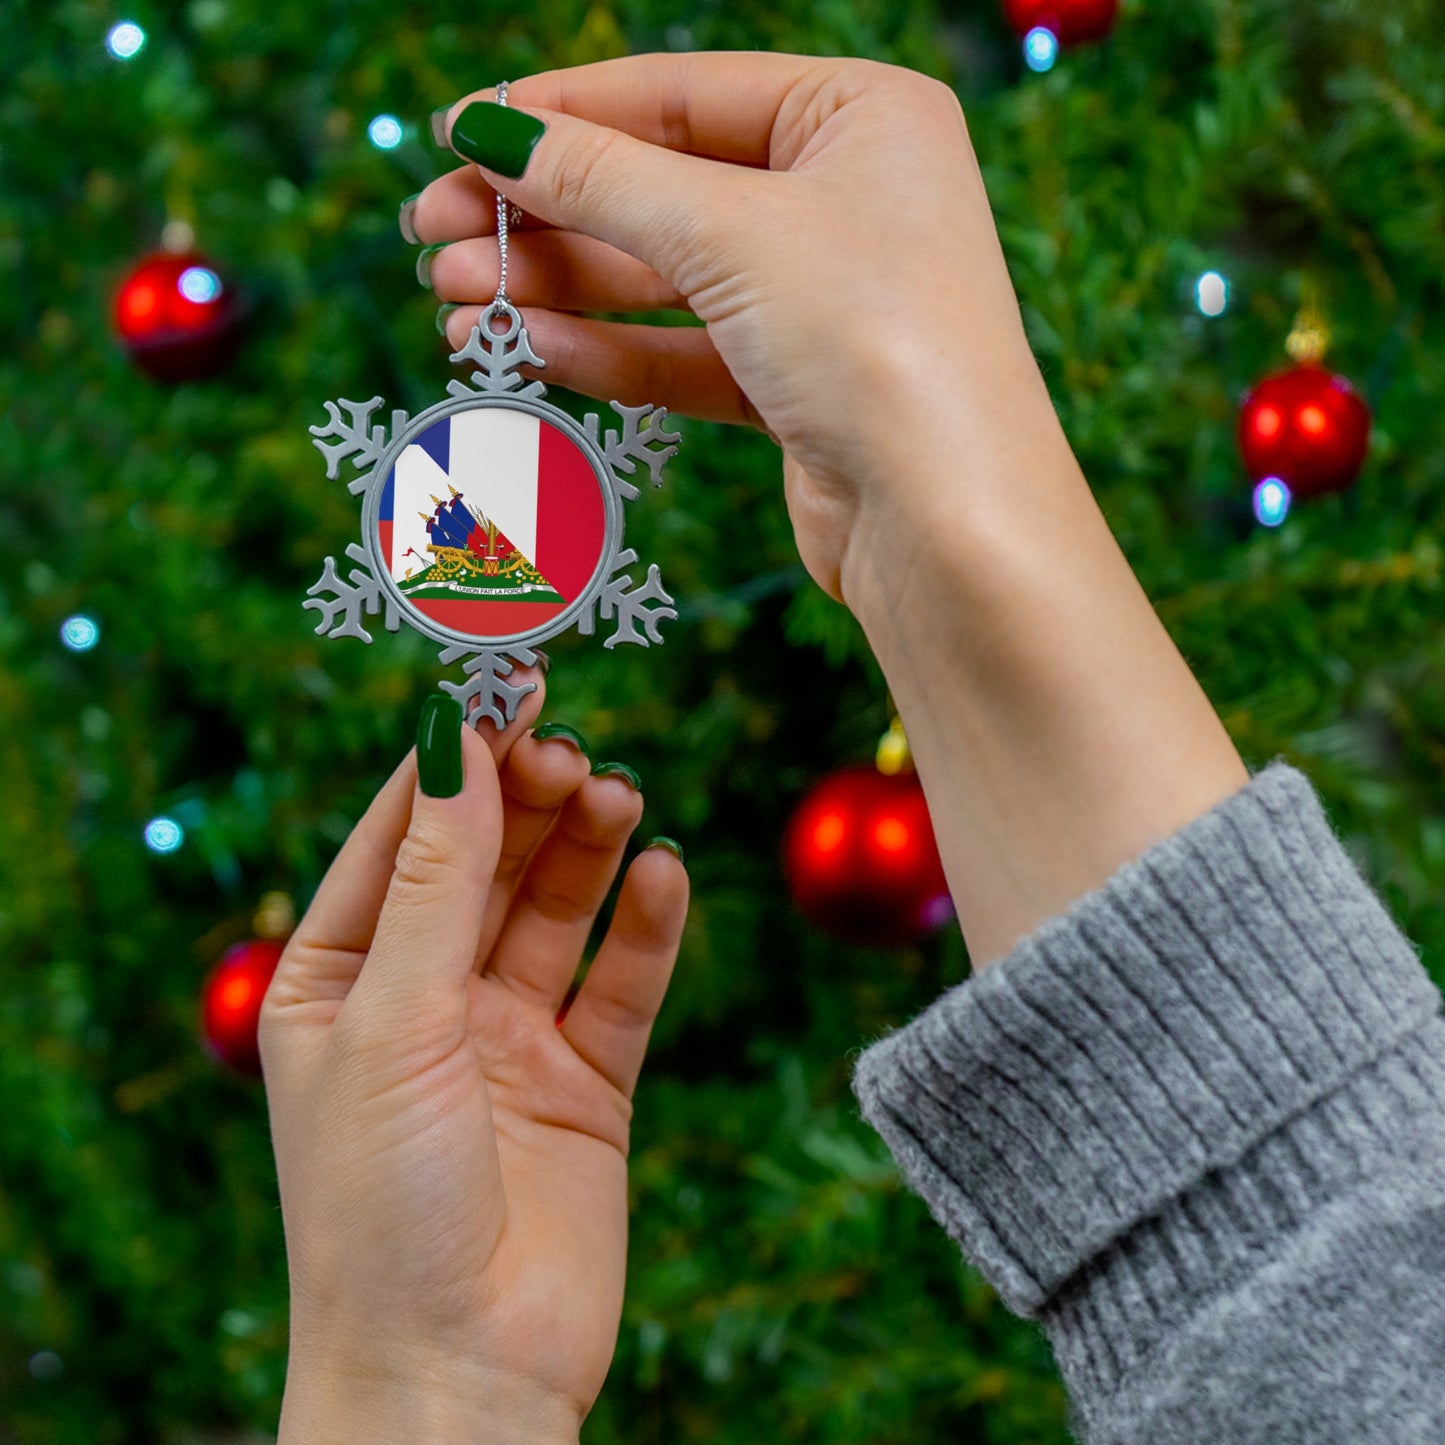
point(1041, 48)
point(199, 284)
point(126, 40)
point(385, 132)
point(1271, 501)
point(1211, 294)
point(164, 835)
point(80, 633)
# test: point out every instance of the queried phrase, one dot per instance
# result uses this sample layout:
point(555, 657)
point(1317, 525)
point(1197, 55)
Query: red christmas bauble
point(231, 1003)
point(176, 318)
point(861, 860)
point(1073, 22)
point(1308, 428)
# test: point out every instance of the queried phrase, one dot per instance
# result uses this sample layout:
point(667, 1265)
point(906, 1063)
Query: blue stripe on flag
point(436, 442)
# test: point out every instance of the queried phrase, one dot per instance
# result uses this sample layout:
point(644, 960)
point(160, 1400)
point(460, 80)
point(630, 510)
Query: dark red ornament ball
point(176, 317)
point(231, 1003)
point(861, 860)
point(1073, 22)
point(1307, 427)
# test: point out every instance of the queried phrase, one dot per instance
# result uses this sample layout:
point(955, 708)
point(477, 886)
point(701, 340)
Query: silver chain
point(501, 299)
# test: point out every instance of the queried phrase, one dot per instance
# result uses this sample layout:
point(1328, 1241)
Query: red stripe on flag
point(571, 520)
point(485, 619)
point(383, 531)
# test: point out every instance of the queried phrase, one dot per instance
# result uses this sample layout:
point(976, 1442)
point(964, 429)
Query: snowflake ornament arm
point(630, 607)
point(485, 686)
point(506, 351)
point(362, 594)
point(642, 439)
point(363, 446)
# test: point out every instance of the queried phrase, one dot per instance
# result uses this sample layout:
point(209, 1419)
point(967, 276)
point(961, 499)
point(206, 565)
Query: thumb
point(421, 955)
point(651, 202)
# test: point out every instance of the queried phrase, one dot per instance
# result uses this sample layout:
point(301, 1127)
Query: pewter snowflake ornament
point(492, 521)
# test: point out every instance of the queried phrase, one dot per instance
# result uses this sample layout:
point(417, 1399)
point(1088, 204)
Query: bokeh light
point(199, 284)
point(1212, 294)
point(1041, 48)
point(164, 835)
point(126, 40)
point(80, 633)
point(1271, 501)
point(385, 132)
point(46, 1365)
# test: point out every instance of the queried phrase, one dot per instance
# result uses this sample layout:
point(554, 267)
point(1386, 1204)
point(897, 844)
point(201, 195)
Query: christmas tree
point(178, 744)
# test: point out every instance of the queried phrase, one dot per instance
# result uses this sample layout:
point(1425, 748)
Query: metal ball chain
point(501, 300)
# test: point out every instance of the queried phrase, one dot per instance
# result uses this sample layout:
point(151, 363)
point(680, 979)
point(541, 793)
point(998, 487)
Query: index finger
point(342, 917)
point(723, 105)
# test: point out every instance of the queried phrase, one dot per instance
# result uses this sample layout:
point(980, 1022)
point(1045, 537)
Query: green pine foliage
point(783, 1284)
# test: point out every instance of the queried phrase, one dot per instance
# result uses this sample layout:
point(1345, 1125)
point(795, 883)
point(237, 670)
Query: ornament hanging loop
point(499, 309)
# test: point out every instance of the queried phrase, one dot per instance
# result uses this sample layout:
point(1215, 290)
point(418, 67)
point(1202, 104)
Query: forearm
point(1057, 730)
point(328, 1404)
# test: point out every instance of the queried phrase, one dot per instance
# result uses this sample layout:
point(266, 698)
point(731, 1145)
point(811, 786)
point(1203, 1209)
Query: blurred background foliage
point(783, 1285)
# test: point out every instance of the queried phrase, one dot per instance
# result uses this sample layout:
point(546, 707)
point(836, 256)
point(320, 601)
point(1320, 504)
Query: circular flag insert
point(491, 522)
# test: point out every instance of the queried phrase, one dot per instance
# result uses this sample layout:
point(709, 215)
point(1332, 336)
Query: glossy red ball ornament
point(861, 860)
point(1073, 22)
point(231, 1003)
point(1307, 427)
point(176, 317)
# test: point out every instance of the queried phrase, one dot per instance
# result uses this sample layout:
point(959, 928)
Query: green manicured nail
point(618, 770)
point(543, 661)
point(443, 312)
point(404, 220)
point(561, 730)
point(671, 844)
point(439, 747)
point(439, 125)
point(423, 262)
point(496, 136)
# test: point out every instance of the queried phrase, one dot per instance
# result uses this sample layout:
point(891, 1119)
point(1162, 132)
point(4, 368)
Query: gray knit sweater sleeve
point(1195, 1126)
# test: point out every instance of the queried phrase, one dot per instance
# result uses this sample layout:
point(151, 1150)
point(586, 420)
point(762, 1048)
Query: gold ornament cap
point(275, 916)
point(1310, 339)
point(894, 755)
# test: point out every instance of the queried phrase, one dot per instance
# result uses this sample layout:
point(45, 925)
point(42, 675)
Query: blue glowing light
point(199, 284)
point(385, 132)
point(80, 633)
point(164, 835)
point(1271, 502)
point(1041, 48)
point(126, 40)
point(1211, 293)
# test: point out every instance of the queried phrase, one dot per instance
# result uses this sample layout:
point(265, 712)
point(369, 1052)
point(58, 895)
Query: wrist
point(339, 1402)
point(951, 482)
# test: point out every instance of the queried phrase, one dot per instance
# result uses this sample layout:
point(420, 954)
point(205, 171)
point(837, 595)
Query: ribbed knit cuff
point(1230, 978)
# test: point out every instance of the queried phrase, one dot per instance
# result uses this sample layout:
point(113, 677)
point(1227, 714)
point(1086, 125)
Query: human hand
point(452, 1156)
point(827, 221)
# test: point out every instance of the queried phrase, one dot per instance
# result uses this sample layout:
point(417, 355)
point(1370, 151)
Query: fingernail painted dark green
point(543, 661)
point(404, 220)
point(439, 125)
point(496, 136)
point(439, 747)
point(443, 312)
point(618, 770)
point(423, 262)
point(561, 730)
point(671, 844)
